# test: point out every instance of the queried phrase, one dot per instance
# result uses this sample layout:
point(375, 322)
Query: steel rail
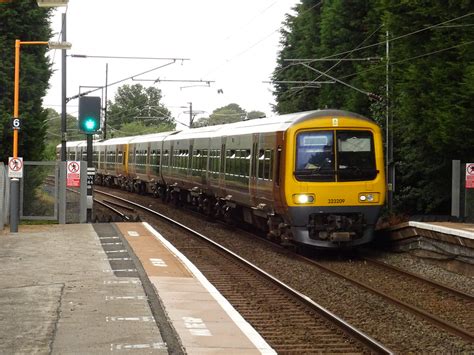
point(424, 279)
point(372, 344)
point(448, 326)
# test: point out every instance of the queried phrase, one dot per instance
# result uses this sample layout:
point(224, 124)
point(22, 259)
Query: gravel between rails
point(391, 326)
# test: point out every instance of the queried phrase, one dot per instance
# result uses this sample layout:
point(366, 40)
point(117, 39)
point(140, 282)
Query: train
point(313, 178)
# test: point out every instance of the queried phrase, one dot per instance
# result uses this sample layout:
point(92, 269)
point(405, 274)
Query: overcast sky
point(233, 43)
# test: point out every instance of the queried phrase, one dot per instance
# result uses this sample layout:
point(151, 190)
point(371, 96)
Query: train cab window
point(315, 156)
point(355, 156)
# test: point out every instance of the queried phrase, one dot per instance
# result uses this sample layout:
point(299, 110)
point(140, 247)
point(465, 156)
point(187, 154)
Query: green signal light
point(90, 124)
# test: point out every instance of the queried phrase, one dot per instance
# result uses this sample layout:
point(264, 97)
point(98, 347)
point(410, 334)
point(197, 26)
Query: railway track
point(445, 307)
point(288, 320)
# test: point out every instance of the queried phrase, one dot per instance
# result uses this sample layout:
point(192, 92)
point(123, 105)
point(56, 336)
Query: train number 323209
point(336, 200)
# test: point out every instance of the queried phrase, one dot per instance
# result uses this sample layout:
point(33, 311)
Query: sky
point(232, 43)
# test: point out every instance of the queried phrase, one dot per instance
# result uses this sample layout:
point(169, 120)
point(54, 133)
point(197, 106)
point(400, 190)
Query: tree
point(431, 81)
point(136, 129)
point(136, 103)
point(226, 114)
point(53, 132)
point(23, 20)
point(255, 114)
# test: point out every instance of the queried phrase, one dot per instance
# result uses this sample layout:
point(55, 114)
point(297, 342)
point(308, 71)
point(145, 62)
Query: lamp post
point(15, 182)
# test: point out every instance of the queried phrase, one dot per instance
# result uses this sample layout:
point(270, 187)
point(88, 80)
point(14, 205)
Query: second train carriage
point(314, 178)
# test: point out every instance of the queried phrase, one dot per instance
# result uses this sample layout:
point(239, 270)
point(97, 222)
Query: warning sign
point(73, 175)
point(15, 167)
point(470, 176)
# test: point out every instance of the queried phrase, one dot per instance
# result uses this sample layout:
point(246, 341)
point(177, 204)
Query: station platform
point(100, 288)
point(453, 242)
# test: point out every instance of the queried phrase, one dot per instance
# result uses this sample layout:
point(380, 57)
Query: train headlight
point(303, 199)
point(369, 197)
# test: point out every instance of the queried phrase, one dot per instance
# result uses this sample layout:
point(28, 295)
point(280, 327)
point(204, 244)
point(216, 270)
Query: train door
point(222, 166)
point(253, 169)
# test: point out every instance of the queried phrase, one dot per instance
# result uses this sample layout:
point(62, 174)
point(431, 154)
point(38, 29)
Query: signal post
point(89, 123)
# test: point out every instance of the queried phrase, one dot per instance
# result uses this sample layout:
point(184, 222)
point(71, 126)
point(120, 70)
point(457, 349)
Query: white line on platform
point(111, 243)
point(117, 259)
point(120, 282)
point(115, 251)
point(118, 298)
point(156, 346)
point(130, 319)
point(121, 270)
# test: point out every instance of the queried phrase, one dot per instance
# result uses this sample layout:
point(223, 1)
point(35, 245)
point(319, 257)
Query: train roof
point(260, 125)
point(153, 137)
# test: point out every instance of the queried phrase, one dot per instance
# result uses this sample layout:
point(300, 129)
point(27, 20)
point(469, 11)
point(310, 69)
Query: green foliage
point(138, 128)
point(135, 103)
point(255, 114)
point(23, 20)
point(226, 114)
point(431, 81)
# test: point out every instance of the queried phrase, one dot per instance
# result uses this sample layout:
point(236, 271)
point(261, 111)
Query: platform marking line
point(156, 346)
point(117, 259)
point(133, 233)
point(130, 319)
point(115, 251)
point(196, 327)
point(115, 282)
point(158, 262)
point(245, 326)
point(102, 238)
point(111, 243)
point(117, 298)
point(121, 270)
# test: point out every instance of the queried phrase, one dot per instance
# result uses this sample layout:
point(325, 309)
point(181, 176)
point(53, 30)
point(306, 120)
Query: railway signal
point(89, 114)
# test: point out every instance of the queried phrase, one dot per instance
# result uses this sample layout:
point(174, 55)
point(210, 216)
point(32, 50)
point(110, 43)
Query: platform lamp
point(15, 181)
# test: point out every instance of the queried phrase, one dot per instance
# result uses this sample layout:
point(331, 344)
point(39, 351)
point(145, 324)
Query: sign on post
point(73, 175)
point(470, 176)
point(15, 168)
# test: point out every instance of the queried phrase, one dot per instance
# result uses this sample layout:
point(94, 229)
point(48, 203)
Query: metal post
point(456, 189)
point(62, 167)
point(105, 105)
point(90, 168)
point(63, 93)
point(14, 204)
point(15, 183)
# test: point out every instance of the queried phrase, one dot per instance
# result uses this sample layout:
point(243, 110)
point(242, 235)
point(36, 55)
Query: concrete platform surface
point(58, 295)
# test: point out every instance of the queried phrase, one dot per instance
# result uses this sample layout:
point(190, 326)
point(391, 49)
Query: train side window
point(268, 164)
point(261, 163)
point(166, 158)
point(254, 165)
point(203, 166)
point(246, 163)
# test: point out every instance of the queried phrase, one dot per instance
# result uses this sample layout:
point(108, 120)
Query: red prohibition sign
point(16, 164)
point(73, 167)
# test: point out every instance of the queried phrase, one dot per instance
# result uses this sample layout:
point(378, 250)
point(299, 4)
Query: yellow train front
point(334, 181)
